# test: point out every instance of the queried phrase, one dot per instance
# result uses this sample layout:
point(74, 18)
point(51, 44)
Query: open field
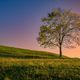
point(39, 69)
point(46, 66)
point(25, 53)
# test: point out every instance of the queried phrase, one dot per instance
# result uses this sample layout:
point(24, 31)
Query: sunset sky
point(20, 21)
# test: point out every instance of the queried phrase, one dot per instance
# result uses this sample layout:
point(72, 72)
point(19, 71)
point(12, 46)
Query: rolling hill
point(24, 64)
point(25, 53)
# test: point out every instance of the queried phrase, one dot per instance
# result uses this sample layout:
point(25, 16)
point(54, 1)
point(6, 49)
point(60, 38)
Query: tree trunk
point(60, 50)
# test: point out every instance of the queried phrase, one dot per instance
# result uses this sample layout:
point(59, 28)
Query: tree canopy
point(61, 28)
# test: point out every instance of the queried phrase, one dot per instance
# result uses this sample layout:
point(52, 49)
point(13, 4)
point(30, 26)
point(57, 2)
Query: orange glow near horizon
point(20, 22)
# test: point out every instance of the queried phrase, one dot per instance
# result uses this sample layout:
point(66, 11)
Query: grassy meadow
point(27, 54)
point(39, 66)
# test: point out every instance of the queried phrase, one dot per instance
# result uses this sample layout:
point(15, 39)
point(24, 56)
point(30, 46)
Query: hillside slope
point(25, 53)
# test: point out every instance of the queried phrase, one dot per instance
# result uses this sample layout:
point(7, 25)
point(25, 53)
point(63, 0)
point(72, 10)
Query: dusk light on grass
point(39, 39)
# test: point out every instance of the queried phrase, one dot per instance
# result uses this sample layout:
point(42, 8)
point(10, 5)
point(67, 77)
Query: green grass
point(39, 69)
point(25, 53)
point(46, 66)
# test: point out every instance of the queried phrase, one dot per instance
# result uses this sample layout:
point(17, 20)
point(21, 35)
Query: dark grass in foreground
point(39, 69)
point(25, 53)
point(22, 64)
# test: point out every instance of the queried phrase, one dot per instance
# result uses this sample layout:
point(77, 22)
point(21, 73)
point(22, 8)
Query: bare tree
point(60, 29)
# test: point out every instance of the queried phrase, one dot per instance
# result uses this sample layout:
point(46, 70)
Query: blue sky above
point(20, 20)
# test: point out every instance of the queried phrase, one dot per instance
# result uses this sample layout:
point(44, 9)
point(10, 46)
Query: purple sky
point(20, 21)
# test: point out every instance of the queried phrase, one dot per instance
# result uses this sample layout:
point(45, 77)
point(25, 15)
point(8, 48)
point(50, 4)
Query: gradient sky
point(20, 21)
